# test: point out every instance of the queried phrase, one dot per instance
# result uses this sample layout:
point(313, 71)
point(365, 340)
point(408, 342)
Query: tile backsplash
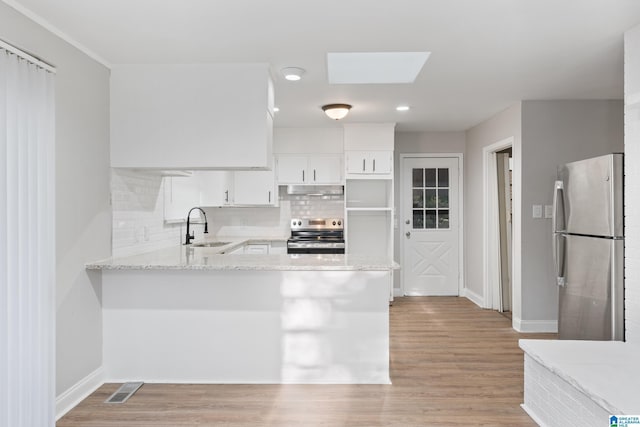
point(138, 215)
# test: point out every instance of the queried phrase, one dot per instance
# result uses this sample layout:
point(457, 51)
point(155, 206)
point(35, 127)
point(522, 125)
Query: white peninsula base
point(243, 326)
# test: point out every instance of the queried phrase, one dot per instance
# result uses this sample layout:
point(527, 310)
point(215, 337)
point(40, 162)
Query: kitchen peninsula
point(197, 315)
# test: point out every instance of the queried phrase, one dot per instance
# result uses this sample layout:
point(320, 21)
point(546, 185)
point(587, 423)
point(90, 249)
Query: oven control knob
point(334, 223)
point(299, 222)
point(339, 223)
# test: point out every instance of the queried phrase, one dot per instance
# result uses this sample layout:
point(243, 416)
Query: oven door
point(302, 247)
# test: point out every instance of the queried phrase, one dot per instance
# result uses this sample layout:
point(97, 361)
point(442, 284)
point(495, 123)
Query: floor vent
point(125, 391)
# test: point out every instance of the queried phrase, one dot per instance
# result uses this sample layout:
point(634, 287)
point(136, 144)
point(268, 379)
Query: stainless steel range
point(316, 236)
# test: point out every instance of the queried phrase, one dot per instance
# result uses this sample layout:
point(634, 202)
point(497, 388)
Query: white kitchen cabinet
point(191, 116)
point(255, 188)
point(369, 162)
point(215, 188)
point(309, 169)
point(180, 195)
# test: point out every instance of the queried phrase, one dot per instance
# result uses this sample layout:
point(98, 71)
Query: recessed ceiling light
point(402, 108)
point(292, 73)
point(276, 109)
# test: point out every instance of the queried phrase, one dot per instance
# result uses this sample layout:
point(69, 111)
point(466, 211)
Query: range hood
point(316, 190)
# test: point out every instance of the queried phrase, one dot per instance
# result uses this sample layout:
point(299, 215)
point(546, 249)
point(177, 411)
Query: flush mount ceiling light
point(336, 111)
point(292, 73)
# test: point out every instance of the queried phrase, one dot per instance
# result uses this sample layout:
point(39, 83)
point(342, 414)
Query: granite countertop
point(214, 258)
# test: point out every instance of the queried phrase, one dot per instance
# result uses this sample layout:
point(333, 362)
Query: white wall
point(419, 142)
point(632, 183)
point(554, 133)
point(83, 214)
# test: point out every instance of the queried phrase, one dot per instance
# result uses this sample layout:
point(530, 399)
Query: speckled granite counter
point(213, 258)
point(201, 315)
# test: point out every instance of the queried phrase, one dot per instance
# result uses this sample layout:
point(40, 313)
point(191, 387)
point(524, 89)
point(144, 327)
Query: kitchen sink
point(209, 244)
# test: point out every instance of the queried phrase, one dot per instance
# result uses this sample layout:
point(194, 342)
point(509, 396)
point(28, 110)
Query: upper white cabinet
point(369, 162)
point(254, 188)
point(186, 116)
point(215, 188)
point(309, 169)
point(369, 150)
point(180, 194)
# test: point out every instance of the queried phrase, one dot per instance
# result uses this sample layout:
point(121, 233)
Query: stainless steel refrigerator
point(588, 248)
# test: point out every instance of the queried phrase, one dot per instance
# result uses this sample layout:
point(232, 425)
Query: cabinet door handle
point(269, 196)
point(302, 175)
point(363, 160)
point(226, 196)
point(314, 175)
point(374, 165)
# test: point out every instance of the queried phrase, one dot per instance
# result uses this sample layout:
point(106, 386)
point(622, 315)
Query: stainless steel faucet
point(190, 236)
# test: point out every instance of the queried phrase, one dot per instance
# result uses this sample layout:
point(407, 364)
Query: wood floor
point(452, 364)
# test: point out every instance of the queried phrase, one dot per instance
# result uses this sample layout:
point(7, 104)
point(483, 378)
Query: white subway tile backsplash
point(138, 215)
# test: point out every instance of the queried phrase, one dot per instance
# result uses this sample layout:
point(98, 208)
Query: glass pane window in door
point(430, 219)
point(443, 177)
point(418, 198)
point(418, 177)
point(443, 198)
point(418, 219)
point(443, 218)
point(430, 199)
point(430, 177)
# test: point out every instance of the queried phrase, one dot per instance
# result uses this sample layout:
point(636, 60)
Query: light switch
point(537, 211)
point(548, 211)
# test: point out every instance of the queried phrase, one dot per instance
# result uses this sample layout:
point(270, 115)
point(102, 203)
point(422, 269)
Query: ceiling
point(485, 54)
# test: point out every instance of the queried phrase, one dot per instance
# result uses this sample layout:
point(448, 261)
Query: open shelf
point(373, 194)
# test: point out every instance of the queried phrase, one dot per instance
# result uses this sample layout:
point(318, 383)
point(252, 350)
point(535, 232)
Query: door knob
point(407, 222)
point(408, 234)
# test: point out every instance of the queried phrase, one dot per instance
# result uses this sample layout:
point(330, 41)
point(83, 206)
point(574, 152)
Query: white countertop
point(606, 371)
point(212, 258)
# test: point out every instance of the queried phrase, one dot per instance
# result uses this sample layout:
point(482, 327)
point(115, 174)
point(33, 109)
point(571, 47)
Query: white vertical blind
point(27, 243)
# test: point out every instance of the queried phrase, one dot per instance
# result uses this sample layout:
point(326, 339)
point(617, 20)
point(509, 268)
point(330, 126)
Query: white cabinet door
point(292, 169)
point(381, 162)
point(254, 188)
point(180, 195)
point(216, 188)
point(369, 162)
point(325, 169)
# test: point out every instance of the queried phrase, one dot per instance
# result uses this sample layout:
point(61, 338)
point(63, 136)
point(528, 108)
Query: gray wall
point(554, 133)
point(546, 134)
point(503, 125)
point(419, 142)
point(83, 217)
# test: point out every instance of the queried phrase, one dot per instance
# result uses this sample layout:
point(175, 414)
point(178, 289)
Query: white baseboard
point(473, 297)
point(535, 326)
point(78, 392)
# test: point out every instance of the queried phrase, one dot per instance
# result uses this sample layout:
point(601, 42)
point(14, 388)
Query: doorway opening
point(501, 228)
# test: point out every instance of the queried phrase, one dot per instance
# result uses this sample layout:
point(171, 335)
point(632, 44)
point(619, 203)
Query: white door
point(430, 226)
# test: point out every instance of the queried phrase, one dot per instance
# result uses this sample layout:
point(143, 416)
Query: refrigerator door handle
point(558, 257)
point(558, 189)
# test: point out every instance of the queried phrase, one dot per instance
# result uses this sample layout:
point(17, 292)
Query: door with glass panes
point(429, 227)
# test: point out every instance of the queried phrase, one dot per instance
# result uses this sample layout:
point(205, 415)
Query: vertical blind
point(27, 242)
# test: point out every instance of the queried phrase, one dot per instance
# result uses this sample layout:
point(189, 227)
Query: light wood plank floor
point(452, 364)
